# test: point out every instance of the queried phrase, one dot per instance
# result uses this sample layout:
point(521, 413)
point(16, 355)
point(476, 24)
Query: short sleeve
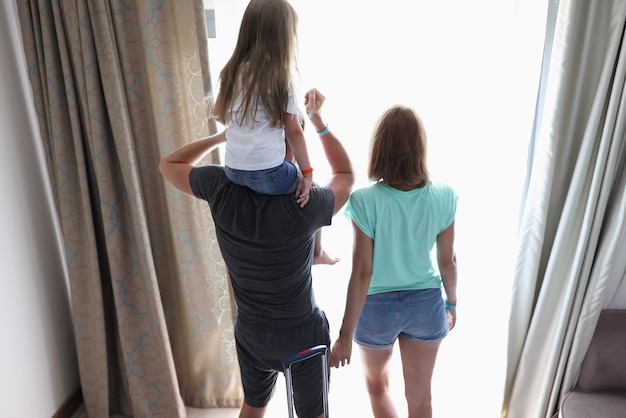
point(292, 104)
point(204, 179)
point(356, 210)
point(449, 205)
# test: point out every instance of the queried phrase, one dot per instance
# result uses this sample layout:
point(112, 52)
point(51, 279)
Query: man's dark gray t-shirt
point(267, 243)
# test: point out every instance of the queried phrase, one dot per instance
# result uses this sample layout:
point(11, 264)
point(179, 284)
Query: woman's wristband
point(324, 132)
point(307, 171)
point(448, 306)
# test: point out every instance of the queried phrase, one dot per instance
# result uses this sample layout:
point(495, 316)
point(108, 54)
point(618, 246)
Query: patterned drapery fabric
point(118, 84)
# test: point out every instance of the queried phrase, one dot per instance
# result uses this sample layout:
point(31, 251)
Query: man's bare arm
point(342, 178)
point(175, 167)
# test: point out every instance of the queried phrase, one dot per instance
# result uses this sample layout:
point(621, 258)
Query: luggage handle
point(301, 356)
point(304, 355)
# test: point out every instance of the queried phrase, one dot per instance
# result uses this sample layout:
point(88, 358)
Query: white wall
point(37, 354)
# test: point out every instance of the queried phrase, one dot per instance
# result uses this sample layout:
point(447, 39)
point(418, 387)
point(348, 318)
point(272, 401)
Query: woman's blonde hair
point(262, 63)
point(398, 149)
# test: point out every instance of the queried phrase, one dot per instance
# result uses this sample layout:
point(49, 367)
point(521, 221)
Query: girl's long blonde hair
point(262, 63)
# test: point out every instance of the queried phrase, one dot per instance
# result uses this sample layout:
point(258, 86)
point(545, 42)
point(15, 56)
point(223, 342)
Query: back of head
point(262, 63)
point(398, 149)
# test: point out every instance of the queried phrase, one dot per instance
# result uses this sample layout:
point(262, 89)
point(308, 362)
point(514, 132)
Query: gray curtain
point(117, 85)
point(572, 230)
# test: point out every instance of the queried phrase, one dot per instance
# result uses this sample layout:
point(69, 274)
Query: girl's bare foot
point(324, 258)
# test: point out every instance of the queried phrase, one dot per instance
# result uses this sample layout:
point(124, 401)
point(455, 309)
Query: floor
point(345, 384)
point(191, 413)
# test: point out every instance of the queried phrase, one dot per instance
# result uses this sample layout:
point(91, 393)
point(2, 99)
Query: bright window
point(471, 70)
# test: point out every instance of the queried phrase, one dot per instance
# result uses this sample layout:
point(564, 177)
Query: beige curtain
point(117, 84)
point(571, 261)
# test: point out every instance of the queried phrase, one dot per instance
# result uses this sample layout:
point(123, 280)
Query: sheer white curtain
point(471, 70)
point(570, 263)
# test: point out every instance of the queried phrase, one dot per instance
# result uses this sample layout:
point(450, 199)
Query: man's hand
point(313, 100)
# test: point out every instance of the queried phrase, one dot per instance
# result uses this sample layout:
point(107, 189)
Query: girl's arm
point(446, 259)
point(296, 140)
point(362, 256)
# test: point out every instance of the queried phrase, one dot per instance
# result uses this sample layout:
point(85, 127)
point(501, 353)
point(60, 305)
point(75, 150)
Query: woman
point(394, 293)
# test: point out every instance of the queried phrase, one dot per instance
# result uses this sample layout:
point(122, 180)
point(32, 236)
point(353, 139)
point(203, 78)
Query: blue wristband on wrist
point(448, 306)
point(324, 132)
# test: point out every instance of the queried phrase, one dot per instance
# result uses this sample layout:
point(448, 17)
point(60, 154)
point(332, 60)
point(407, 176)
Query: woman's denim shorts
point(282, 179)
point(417, 315)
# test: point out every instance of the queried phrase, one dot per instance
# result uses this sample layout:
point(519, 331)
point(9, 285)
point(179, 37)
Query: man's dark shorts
point(261, 348)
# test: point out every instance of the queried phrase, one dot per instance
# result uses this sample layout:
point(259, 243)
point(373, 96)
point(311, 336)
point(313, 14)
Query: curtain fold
point(117, 85)
point(572, 218)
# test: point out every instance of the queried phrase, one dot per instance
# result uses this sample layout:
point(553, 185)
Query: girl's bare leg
point(376, 369)
point(418, 363)
point(319, 254)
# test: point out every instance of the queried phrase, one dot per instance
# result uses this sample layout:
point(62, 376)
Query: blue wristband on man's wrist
point(324, 132)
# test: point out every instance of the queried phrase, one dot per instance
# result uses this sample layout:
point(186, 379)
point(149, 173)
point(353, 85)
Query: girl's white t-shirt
point(257, 147)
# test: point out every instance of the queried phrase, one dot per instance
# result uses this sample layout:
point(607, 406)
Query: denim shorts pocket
point(427, 316)
point(373, 319)
point(420, 309)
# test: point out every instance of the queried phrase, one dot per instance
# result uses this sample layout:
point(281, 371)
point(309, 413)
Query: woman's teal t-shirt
point(404, 227)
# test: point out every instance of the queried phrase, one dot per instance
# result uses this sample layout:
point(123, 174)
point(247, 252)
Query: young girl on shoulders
point(256, 103)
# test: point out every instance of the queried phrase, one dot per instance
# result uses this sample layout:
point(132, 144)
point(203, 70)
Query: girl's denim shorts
point(417, 315)
point(282, 179)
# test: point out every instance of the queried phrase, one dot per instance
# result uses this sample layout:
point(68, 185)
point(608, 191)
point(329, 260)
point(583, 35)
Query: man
point(267, 243)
